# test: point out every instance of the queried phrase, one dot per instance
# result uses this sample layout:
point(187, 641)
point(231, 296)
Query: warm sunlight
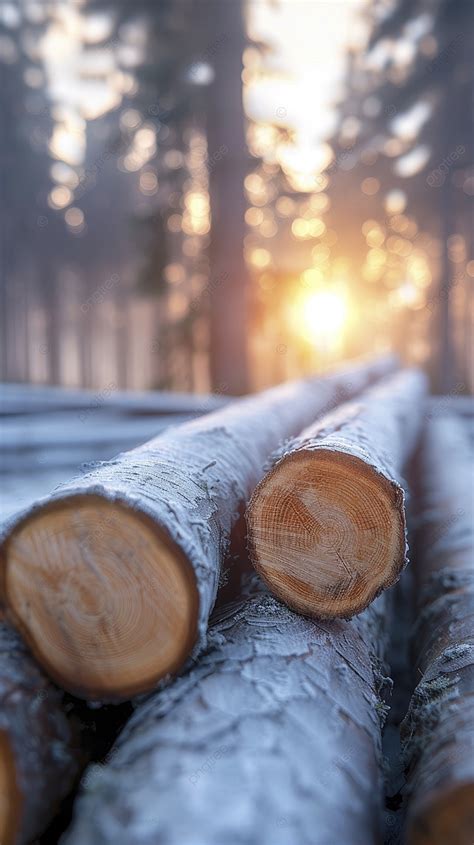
point(320, 317)
point(305, 64)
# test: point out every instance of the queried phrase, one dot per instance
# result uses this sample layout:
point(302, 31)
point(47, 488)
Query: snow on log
point(327, 524)
point(272, 738)
point(40, 756)
point(438, 731)
point(21, 399)
point(112, 577)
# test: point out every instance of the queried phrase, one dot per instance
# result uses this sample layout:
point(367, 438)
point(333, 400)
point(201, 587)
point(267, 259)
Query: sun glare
point(320, 317)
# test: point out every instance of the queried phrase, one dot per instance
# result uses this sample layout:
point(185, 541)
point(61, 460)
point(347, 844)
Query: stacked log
point(111, 579)
point(438, 731)
point(326, 525)
point(273, 738)
point(41, 754)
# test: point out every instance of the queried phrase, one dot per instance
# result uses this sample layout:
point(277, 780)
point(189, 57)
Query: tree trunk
point(438, 731)
point(51, 304)
point(111, 579)
point(40, 750)
point(445, 345)
point(273, 738)
point(227, 150)
point(327, 524)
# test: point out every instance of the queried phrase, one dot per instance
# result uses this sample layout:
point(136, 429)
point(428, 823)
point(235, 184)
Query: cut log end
point(445, 818)
point(9, 796)
point(103, 597)
point(327, 533)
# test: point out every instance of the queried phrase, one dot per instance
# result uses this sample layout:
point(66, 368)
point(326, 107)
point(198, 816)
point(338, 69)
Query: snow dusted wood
point(40, 756)
point(327, 524)
point(438, 731)
point(451, 405)
point(273, 738)
point(20, 399)
point(111, 579)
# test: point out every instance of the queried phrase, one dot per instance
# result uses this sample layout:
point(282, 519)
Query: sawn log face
point(327, 523)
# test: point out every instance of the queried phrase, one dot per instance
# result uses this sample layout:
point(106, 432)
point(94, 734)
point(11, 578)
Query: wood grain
point(327, 524)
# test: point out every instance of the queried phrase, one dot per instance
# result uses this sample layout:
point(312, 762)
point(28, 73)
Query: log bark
point(111, 579)
point(438, 731)
point(41, 755)
point(327, 524)
point(273, 738)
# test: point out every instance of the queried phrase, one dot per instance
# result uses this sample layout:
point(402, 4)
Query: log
point(273, 738)
point(326, 525)
point(111, 579)
point(20, 399)
point(40, 750)
point(68, 441)
point(451, 405)
point(438, 730)
point(80, 431)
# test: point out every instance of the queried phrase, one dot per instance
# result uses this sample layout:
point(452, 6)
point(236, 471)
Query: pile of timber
point(272, 734)
point(260, 741)
point(111, 579)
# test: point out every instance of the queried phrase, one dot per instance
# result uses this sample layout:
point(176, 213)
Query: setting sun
point(320, 316)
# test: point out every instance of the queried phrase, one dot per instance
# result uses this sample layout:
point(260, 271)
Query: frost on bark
point(438, 730)
point(327, 524)
point(40, 753)
point(273, 738)
point(112, 577)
